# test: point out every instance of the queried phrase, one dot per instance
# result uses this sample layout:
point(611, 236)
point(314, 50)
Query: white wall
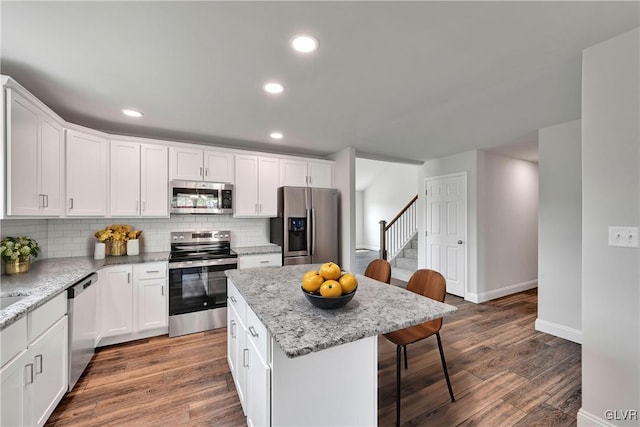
point(507, 226)
point(560, 231)
point(394, 186)
point(610, 196)
point(345, 179)
point(464, 162)
point(359, 219)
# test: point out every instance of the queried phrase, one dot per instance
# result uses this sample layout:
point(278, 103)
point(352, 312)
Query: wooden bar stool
point(432, 285)
point(379, 269)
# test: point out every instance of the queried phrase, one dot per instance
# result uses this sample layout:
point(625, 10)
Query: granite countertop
point(50, 277)
point(256, 250)
point(299, 328)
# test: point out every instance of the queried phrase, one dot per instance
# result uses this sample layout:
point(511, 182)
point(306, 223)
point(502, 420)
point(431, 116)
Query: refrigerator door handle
point(313, 231)
point(310, 235)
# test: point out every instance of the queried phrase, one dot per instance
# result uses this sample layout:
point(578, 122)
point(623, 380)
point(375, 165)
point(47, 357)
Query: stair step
point(407, 263)
point(401, 274)
point(410, 253)
point(414, 242)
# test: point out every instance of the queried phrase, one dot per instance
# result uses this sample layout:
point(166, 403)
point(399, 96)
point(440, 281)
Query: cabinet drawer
point(13, 339)
point(151, 270)
point(236, 301)
point(260, 260)
point(43, 317)
point(257, 333)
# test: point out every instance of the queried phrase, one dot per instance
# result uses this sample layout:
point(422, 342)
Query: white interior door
point(446, 229)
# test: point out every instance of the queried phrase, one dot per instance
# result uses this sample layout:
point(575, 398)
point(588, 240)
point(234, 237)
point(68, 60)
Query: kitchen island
point(296, 364)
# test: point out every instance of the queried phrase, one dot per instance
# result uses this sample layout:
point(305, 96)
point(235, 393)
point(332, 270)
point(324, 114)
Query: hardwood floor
point(503, 373)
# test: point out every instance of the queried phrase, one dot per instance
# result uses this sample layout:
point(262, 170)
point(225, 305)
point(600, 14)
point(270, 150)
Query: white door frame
point(465, 251)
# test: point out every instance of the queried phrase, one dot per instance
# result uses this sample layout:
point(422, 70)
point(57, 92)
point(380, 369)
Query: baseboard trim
point(502, 292)
point(559, 330)
point(585, 419)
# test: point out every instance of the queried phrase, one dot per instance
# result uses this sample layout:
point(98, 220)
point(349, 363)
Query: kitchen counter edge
point(50, 277)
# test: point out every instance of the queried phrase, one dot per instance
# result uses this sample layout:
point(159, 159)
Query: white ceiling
point(395, 80)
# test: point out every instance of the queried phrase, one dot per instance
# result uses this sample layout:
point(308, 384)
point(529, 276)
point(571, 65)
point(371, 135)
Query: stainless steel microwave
point(197, 197)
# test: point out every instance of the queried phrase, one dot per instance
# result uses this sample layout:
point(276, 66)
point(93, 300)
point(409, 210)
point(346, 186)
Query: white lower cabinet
point(133, 302)
point(34, 381)
point(259, 260)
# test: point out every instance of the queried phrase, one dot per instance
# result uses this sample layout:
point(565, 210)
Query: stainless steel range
point(197, 283)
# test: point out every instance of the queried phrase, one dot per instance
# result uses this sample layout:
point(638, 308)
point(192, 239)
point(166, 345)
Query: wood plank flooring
point(503, 373)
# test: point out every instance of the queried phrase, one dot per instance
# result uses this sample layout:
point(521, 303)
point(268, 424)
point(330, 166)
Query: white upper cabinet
point(306, 173)
point(87, 159)
point(35, 159)
point(200, 165)
point(256, 185)
point(139, 179)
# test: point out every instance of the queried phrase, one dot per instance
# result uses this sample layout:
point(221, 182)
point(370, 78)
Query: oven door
point(198, 285)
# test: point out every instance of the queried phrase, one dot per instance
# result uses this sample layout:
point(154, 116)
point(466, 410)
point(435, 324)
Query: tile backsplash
point(74, 237)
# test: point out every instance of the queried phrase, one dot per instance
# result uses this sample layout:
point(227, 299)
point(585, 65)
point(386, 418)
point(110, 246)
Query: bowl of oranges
point(329, 287)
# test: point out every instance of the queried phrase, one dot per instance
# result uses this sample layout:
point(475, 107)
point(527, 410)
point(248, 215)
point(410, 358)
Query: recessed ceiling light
point(273, 87)
point(276, 135)
point(304, 43)
point(132, 113)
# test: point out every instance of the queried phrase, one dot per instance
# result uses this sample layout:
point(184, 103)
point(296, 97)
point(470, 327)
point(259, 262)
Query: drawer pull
point(233, 299)
point(245, 357)
point(38, 370)
point(233, 329)
point(153, 271)
point(253, 332)
point(28, 371)
point(264, 262)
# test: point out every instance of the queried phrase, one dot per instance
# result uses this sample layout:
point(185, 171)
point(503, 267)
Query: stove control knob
point(181, 237)
point(216, 235)
point(175, 237)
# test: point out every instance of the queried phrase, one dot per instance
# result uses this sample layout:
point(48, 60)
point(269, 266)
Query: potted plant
point(116, 236)
point(16, 253)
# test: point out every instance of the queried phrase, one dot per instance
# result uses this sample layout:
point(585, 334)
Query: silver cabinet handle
point(264, 262)
point(38, 369)
point(70, 203)
point(200, 171)
point(153, 271)
point(233, 299)
point(233, 328)
point(41, 200)
point(309, 179)
point(245, 357)
point(253, 332)
point(28, 371)
point(46, 200)
point(128, 277)
point(206, 171)
point(162, 290)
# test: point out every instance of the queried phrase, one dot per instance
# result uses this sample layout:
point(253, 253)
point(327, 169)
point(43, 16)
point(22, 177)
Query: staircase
point(406, 261)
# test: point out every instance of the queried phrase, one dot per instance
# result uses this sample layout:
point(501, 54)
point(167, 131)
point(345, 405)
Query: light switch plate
point(624, 237)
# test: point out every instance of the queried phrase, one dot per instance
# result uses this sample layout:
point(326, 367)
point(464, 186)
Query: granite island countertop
point(299, 328)
point(49, 277)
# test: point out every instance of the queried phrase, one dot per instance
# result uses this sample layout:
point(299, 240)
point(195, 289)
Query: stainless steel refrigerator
point(307, 226)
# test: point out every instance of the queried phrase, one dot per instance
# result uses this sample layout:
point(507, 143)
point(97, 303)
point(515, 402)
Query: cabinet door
point(293, 173)
point(116, 301)
point(268, 170)
point(245, 194)
point(51, 166)
point(154, 180)
point(258, 389)
point(152, 304)
point(320, 174)
point(259, 260)
point(242, 365)
point(49, 358)
point(22, 156)
point(232, 340)
point(16, 388)
point(218, 167)
point(186, 164)
point(125, 179)
point(86, 174)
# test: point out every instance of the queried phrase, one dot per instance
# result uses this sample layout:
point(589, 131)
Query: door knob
point(459, 242)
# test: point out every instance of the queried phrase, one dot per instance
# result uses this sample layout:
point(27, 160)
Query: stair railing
point(399, 231)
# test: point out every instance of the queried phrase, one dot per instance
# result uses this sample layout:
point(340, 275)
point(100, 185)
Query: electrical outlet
point(624, 237)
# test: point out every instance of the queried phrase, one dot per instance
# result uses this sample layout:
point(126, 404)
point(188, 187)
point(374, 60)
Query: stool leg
point(406, 365)
point(444, 367)
point(398, 370)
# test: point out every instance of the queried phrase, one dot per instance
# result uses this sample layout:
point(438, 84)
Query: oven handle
point(204, 263)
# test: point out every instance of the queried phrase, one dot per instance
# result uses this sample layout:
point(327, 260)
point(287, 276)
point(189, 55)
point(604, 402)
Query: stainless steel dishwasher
point(82, 302)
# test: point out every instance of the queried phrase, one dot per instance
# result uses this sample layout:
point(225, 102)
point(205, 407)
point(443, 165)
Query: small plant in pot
point(16, 253)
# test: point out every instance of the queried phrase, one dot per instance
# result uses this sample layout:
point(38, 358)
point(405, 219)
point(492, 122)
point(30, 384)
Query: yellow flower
point(117, 232)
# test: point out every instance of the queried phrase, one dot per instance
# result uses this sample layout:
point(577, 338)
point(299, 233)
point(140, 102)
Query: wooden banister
point(406, 208)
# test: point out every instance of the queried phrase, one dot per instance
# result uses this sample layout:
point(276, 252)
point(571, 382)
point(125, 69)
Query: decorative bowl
point(326, 302)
